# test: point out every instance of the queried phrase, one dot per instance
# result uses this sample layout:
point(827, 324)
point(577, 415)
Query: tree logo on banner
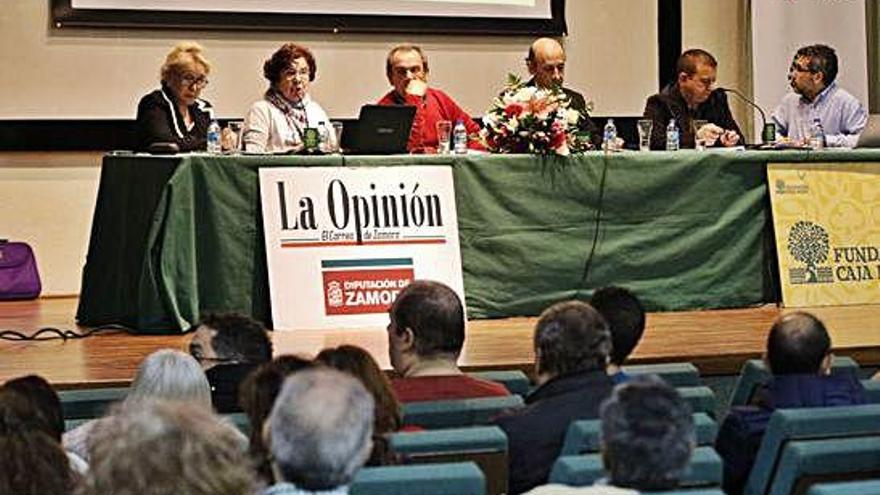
point(808, 243)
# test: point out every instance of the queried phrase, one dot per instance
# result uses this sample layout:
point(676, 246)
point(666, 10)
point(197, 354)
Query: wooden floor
point(716, 341)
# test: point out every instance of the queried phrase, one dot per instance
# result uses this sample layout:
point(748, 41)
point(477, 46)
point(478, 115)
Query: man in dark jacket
point(571, 349)
point(799, 357)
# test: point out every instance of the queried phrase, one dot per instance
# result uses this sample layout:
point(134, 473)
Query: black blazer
point(159, 120)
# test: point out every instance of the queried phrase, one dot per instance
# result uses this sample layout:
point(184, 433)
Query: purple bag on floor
point(19, 278)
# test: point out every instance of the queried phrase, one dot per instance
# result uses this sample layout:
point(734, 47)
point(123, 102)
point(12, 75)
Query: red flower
point(513, 110)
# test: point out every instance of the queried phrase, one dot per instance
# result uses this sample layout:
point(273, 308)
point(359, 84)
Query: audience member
point(571, 350)
point(48, 407)
point(319, 432)
point(277, 123)
point(407, 69)
point(257, 395)
point(799, 358)
point(175, 113)
point(689, 98)
point(32, 462)
point(625, 316)
point(815, 94)
point(425, 337)
point(229, 346)
point(358, 362)
point(167, 448)
point(165, 374)
point(546, 64)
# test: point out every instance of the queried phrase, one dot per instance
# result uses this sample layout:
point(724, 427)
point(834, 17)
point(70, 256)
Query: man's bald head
point(546, 62)
point(798, 344)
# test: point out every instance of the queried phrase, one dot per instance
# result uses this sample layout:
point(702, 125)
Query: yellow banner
point(826, 218)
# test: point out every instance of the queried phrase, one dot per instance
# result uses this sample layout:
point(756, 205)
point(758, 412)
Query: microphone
point(768, 133)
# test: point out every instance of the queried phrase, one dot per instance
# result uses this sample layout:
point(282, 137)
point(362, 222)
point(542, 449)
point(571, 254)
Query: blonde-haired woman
point(175, 113)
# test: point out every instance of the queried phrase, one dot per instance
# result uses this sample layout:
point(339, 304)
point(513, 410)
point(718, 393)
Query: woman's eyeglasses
point(190, 79)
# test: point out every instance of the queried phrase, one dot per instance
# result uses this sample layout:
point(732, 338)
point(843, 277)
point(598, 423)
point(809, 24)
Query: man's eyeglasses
point(799, 68)
point(294, 73)
point(190, 79)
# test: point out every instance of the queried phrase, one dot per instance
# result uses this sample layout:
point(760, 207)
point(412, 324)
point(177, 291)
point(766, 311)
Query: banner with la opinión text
point(826, 218)
point(342, 242)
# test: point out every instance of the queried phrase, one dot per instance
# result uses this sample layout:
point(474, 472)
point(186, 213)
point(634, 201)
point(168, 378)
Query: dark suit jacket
point(669, 104)
point(739, 437)
point(535, 434)
point(224, 380)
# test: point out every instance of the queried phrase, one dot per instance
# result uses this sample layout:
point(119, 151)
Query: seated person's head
point(31, 458)
point(798, 343)
point(320, 429)
point(361, 365)
point(647, 435)
point(44, 398)
point(167, 447)
point(230, 338)
point(185, 72)
point(170, 375)
point(570, 337)
point(257, 394)
point(625, 316)
point(427, 324)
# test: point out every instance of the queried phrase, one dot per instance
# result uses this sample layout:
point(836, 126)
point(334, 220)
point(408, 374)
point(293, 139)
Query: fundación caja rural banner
point(342, 242)
point(826, 218)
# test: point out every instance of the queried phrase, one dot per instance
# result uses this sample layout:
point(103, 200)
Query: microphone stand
point(768, 133)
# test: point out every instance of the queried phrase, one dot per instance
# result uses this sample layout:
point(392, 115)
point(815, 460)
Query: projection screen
point(417, 16)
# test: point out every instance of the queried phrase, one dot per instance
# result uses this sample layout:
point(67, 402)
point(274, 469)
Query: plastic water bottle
point(323, 138)
point(672, 136)
point(817, 135)
point(214, 138)
point(459, 138)
point(609, 136)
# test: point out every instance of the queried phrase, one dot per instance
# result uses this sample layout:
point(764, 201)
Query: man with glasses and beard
point(815, 94)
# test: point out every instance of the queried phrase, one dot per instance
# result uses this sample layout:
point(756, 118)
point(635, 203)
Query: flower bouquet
point(527, 119)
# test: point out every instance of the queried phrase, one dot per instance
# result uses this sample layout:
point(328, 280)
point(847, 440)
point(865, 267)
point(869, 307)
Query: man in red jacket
point(407, 70)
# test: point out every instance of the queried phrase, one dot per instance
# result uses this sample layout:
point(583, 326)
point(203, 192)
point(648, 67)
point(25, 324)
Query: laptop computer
point(870, 136)
point(379, 130)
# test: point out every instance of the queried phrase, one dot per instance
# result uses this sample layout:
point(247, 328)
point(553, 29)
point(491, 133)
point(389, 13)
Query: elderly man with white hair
point(319, 433)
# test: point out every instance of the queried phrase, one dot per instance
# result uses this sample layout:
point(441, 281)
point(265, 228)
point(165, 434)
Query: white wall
point(101, 73)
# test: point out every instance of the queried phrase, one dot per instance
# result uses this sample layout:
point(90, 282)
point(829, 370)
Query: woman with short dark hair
point(277, 123)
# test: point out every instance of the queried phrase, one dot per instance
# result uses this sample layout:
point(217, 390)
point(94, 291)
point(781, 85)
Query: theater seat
point(460, 478)
point(581, 470)
point(787, 426)
point(583, 436)
point(864, 487)
point(675, 374)
point(89, 403)
point(701, 399)
point(754, 372)
point(516, 381)
point(805, 462)
point(872, 391)
point(459, 412)
point(484, 445)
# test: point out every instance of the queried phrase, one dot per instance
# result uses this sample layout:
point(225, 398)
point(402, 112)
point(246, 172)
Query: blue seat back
point(89, 403)
point(516, 381)
point(701, 399)
point(804, 462)
point(872, 391)
point(754, 373)
point(584, 435)
point(787, 425)
point(862, 487)
point(580, 470)
point(675, 374)
point(460, 478)
point(459, 412)
point(484, 445)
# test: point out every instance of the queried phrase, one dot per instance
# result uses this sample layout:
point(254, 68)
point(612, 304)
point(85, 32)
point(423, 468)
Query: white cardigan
point(267, 130)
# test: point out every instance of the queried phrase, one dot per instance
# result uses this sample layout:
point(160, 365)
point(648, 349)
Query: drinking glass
point(236, 126)
point(337, 133)
point(646, 126)
point(699, 143)
point(444, 129)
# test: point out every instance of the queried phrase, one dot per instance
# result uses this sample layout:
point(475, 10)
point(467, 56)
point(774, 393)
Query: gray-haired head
point(647, 435)
point(320, 428)
point(167, 447)
point(171, 375)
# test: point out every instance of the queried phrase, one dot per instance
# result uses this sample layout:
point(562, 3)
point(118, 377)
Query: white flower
point(572, 116)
